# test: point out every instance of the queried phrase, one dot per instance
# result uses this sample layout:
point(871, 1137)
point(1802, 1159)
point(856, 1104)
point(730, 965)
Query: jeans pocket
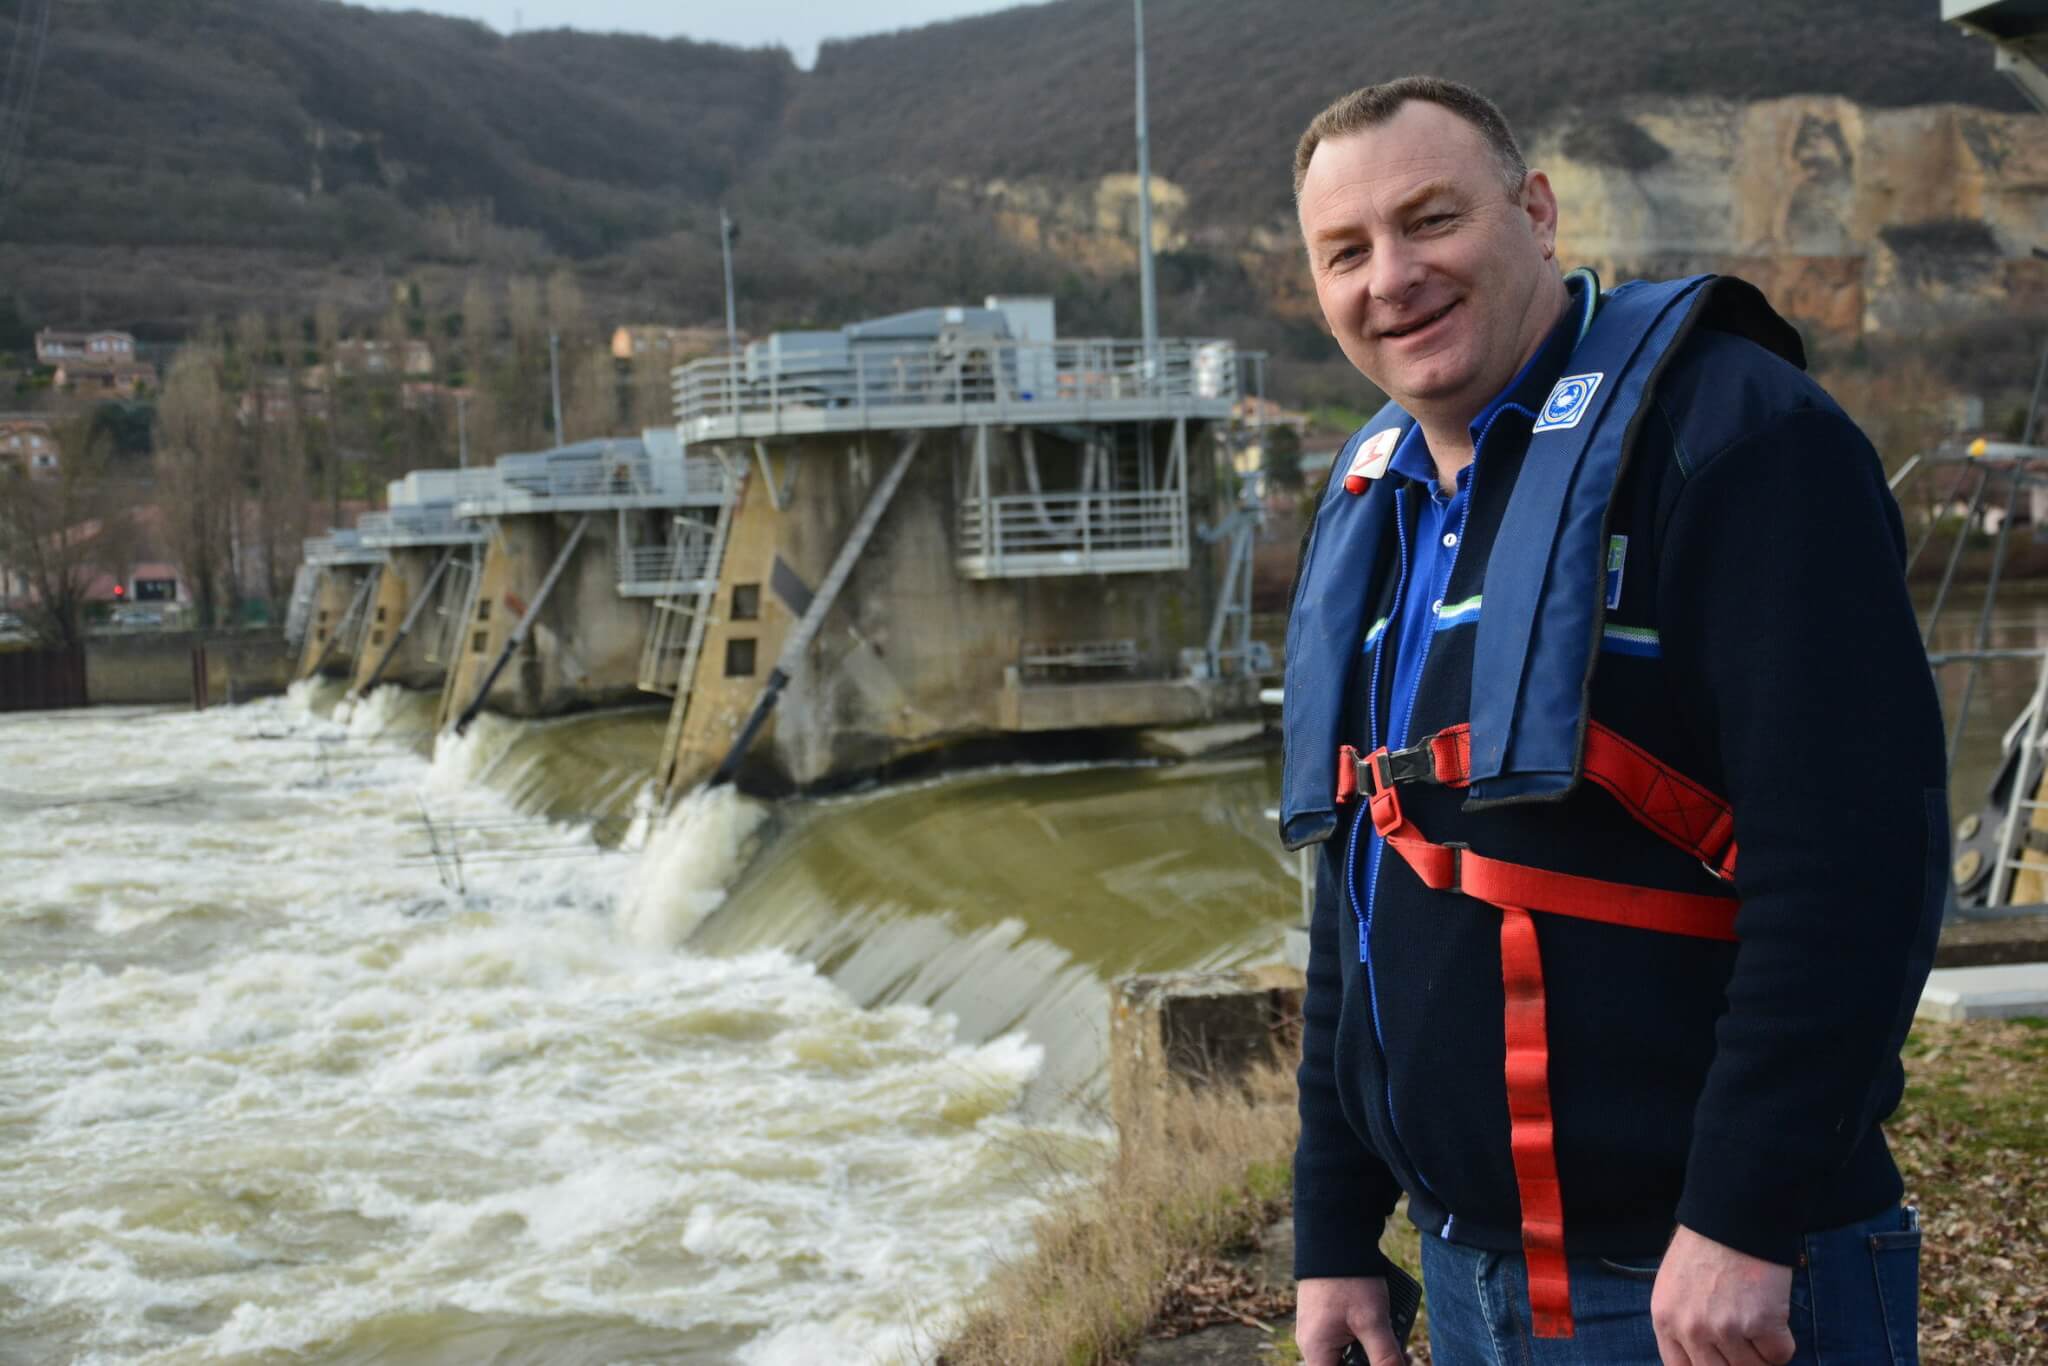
point(1895, 1268)
point(1633, 1268)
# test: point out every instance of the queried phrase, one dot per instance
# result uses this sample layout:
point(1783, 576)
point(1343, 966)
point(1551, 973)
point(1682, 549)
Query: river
point(758, 1085)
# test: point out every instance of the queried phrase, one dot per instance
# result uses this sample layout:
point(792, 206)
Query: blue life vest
point(1545, 585)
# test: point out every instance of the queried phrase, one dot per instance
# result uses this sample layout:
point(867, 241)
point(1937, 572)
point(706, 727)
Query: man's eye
point(1435, 220)
point(1346, 254)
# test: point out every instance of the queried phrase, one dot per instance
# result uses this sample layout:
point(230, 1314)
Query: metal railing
point(624, 471)
point(873, 384)
point(656, 570)
point(1025, 534)
point(416, 526)
point(445, 486)
point(340, 547)
point(1105, 655)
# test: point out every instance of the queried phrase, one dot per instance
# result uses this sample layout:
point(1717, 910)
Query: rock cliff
point(1854, 220)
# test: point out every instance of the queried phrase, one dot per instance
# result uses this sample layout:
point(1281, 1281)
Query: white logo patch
point(1568, 402)
point(1372, 458)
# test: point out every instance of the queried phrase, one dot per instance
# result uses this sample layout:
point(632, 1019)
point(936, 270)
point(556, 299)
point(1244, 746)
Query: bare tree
point(197, 477)
point(278, 471)
point(519, 383)
point(479, 361)
point(61, 531)
point(590, 392)
point(325, 438)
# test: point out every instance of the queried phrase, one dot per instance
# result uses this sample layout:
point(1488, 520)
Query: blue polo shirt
point(1431, 530)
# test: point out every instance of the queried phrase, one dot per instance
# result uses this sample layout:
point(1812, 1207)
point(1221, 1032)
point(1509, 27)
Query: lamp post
point(728, 233)
point(1148, 294)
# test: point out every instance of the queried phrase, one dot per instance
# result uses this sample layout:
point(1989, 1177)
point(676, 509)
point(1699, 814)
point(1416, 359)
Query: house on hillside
point(27, 446)
point(369, 356)
point(272, 403)
point(637, 341)
point(115, 379)
point(94, 348)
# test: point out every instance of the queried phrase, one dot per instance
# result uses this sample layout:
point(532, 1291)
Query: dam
point(946, 536)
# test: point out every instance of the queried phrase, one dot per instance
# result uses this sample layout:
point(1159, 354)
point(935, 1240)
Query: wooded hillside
point(189, 158)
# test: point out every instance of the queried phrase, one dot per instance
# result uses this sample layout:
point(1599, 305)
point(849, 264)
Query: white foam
point(689, 862)
point(314, 1089)
point(386, 709)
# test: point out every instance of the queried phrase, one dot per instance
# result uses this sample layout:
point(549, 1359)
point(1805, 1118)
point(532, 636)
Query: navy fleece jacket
point(1764, 644)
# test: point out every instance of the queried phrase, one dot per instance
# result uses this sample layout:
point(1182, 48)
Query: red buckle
point(1347, 774)
point(1386, 806)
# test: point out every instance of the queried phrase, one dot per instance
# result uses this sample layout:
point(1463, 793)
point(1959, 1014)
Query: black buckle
point(1415, 764)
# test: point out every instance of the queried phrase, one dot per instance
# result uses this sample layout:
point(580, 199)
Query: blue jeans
point(1855, 1302)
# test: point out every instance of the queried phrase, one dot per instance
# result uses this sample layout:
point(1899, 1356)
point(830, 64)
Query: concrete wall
point(913, 655)
point(336, 589)
point(402, 578)
point(157, 666)
point(584, 648)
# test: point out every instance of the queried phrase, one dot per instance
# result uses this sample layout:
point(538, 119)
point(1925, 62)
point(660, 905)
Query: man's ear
point(1539, 205)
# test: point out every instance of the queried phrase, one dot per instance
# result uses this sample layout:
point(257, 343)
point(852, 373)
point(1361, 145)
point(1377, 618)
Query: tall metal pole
point(555, 383)
point(1148, 292)
point(732, 331)
point(462, 431)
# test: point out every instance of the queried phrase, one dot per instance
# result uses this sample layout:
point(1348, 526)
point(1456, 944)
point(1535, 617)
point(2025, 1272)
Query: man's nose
point(1396, 272)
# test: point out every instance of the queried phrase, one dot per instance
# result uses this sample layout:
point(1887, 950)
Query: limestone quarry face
point(1853, 220)
point(1093, 225)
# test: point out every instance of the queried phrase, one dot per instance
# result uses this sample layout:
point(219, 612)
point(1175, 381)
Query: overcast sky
point(798, 25)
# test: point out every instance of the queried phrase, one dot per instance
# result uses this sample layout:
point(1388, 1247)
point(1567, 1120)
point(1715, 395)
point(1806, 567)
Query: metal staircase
point(675, 633)
point(689, 614)
point(457, 599)
point(305, 584)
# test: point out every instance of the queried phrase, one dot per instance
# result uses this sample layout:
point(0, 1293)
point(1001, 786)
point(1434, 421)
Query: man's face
point(1432, 277)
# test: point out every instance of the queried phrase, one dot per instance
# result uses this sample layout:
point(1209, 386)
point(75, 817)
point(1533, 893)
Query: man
point(1630, 1083)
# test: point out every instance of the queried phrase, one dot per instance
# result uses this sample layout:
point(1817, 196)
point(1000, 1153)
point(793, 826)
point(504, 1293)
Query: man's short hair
point(1375, 104)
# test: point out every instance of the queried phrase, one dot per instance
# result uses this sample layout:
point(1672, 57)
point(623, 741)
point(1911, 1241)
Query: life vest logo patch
point(1371, 461)
point(1569, 401)
point(1617, 559)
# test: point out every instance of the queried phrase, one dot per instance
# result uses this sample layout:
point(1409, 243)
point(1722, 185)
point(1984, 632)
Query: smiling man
point(1608, 590)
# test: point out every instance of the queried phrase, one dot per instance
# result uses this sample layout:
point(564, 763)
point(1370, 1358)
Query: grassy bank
point(1147, 1250)
point(1146, 1241)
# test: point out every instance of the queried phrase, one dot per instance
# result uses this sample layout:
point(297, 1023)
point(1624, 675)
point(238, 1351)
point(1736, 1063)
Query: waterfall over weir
point(313, 1044)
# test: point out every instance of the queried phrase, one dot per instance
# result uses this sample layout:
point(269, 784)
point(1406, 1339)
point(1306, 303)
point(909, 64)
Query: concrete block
point(1998, 992)
point(1199, 1028)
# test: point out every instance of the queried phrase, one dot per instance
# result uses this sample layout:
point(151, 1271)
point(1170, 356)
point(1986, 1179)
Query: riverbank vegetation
point(1148, 1239)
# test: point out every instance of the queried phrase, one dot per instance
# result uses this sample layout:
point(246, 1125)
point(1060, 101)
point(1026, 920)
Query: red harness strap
point(1663, 800)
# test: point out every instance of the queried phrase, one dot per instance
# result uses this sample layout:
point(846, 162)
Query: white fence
point(647, 571)
point(1027, 535)
point(893, 385)
point(625, 472)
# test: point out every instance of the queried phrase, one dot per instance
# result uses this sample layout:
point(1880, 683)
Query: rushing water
point(278, 1082)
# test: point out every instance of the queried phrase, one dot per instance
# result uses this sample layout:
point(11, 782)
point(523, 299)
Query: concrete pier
point(340, 589)
point(583, 646)
point(914, 654)
point(955, 530)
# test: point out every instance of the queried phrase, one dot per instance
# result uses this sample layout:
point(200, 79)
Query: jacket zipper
point(1372, 701)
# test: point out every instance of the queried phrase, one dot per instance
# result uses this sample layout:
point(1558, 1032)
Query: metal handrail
point(682, 562)
point(594, 474)
point(959, 374)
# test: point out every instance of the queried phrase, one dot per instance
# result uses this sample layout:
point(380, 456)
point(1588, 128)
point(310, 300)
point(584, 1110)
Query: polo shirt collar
point(1526, 391)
